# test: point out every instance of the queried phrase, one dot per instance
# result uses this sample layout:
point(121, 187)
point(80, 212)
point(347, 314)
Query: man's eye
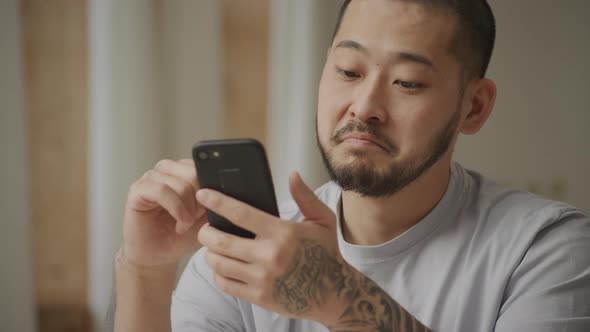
point(349, 74)
point(409, 85)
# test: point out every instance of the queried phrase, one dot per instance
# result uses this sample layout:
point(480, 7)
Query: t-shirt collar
point(366, 254)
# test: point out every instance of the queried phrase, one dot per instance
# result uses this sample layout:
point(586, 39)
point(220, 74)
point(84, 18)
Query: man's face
point(389, 97)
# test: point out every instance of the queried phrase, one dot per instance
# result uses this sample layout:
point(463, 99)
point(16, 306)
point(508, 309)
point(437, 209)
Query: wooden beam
point(246, 52)
point(55, 62)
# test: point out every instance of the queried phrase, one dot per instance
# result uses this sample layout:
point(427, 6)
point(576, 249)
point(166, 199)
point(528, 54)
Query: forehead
point(400, 26)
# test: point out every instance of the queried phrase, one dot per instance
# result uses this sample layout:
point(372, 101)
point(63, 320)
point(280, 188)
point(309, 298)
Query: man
point(403, 239)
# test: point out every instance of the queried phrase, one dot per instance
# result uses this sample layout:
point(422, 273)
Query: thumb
point(310, 206)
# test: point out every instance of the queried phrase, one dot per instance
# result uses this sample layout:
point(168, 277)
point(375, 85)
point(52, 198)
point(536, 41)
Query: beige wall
point(538, 137)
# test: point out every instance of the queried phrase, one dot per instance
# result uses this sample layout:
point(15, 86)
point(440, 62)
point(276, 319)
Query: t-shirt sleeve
point(198, 305)
point(550, 288)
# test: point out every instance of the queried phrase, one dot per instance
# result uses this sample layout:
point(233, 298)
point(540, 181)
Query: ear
point(481, 99)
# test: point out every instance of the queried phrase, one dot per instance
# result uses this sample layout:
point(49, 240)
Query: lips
point(360, 134)
point(364, 137)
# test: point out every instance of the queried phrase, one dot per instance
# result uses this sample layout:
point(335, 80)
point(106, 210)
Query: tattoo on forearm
point(314, 275)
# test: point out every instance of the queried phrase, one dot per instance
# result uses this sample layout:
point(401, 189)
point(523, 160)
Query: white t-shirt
point(484, 259)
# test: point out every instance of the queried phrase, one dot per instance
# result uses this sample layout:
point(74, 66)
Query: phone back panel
point(237, 168)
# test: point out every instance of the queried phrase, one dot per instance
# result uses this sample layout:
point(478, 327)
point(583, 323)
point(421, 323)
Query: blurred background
point(95, 92)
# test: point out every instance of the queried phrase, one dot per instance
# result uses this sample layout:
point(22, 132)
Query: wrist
point(330, 315)
point(341, 300)
point(143, 295)
point(124, 264)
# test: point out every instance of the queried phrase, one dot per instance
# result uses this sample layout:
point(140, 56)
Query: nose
point(370, 104)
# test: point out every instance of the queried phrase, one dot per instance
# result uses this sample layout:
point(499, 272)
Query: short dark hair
point(474, 38)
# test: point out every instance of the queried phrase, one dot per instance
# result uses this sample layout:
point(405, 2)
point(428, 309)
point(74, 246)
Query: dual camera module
point(206, 155)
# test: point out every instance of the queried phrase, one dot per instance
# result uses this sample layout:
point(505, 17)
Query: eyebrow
point(398, 56)
point(352, 45)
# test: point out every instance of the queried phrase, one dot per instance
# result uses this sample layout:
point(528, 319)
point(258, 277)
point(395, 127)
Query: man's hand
point(291, 268)
point(162, 219)
point(295, 269)
point(162, 216)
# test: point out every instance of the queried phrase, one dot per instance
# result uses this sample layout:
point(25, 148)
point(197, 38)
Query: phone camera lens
point(203, 155)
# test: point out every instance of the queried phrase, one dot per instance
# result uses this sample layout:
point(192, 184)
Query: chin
point(361, 161)
point(348, 155)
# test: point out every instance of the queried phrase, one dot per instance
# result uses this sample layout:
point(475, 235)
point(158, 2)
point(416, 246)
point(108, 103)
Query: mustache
point(371, 129)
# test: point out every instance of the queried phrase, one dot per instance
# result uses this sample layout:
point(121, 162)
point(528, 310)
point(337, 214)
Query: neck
point(373, 221)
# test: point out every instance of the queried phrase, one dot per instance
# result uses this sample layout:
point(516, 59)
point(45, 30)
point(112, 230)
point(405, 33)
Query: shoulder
point(328, 193)
point(512, 209)
point(507, 223)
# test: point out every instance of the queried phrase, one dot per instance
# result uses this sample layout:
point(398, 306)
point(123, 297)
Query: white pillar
point(125, 129)
point(300, 36)
point(192, 73)
point(155, 88)
point(17, 305)
point(102, 185)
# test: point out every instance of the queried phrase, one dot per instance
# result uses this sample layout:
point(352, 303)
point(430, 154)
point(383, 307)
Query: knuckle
point(212, 261)
point(239, 213)
point(275, 256)
point(133, 192)
point(281, 255)
point(188, 191)
point(266, 278)
point(161, 189)
point(176, 206)
point(221, 242)
point(178, 209)
point(163, 164)
point(221, 283)
point(286, 237)
point(214, 201)
point(208, 258)
point(202, 238)
point(149, 175)
point(135, 186)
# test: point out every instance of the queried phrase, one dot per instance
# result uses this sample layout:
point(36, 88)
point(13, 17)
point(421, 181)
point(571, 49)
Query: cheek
point(417, 127)
point(325, 125)
point(331, 106)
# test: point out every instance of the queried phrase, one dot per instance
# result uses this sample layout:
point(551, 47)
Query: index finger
point(182, 169)
point(239, 213)
point(189, 162)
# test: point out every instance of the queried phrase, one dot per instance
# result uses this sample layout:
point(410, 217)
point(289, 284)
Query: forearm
point(370, 308)
point(143, 296)
point(327, 289)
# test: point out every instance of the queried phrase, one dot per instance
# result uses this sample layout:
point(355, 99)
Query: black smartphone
point(238, 168)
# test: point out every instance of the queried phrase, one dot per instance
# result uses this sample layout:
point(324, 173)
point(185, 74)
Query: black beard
point(364, 180)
